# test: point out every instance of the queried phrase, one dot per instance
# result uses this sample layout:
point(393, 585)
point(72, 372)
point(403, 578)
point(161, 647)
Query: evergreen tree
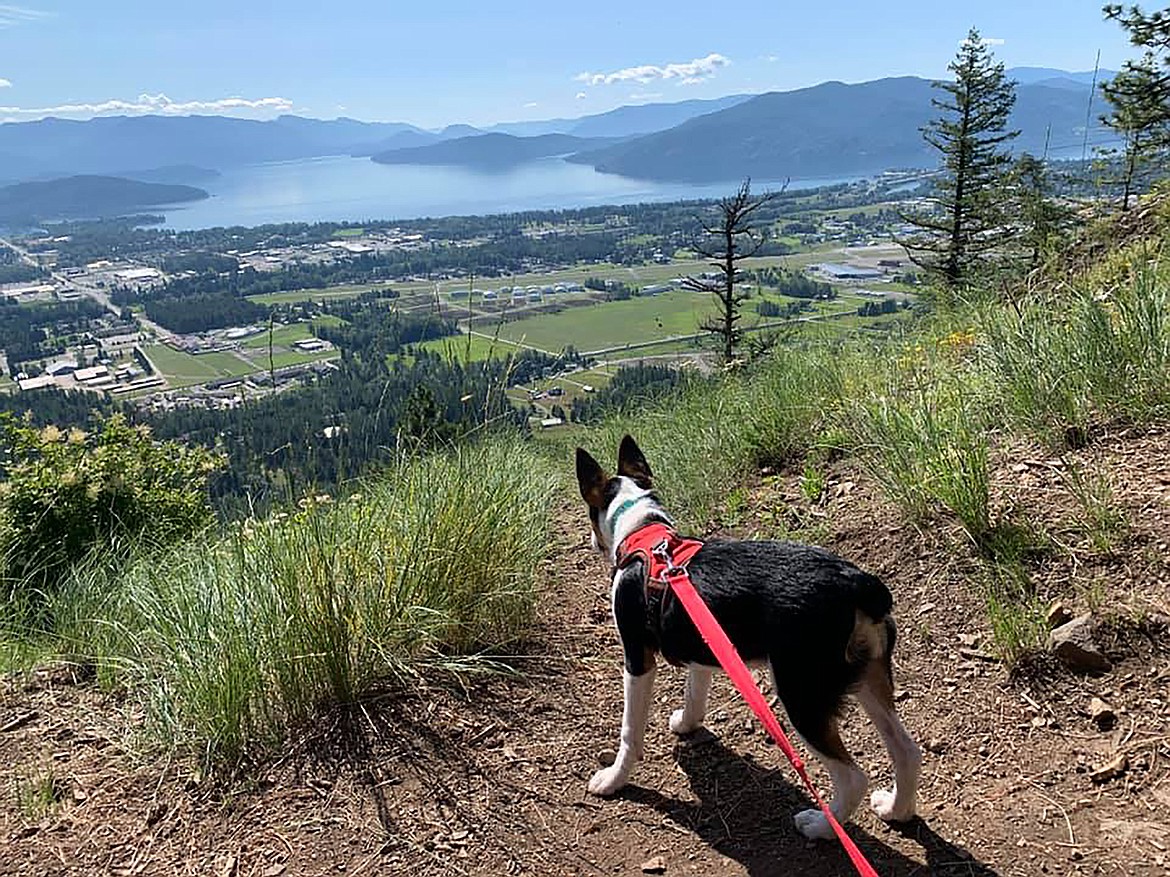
point(730, 240)
point(965, 218)
point(1140, 113)
point(1040, 220)
point(1139, 96)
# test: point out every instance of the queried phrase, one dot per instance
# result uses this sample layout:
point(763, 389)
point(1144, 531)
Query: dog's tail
point(872, 596)
point(874, 631)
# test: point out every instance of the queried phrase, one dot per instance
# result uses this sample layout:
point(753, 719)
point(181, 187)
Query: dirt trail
point(492, 780)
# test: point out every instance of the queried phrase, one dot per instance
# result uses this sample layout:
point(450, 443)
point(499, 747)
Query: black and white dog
point(821, 624)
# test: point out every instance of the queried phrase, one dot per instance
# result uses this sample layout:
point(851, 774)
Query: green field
point(573, 386)
point(456, 346)
point(612, 324)
point(282, 336)
point(182, 369)
point(608, 325)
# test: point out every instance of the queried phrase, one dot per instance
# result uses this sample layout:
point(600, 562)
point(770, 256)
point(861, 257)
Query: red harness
point(661, 549)
point(666, 555)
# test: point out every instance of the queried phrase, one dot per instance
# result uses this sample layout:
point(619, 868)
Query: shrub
point(70, 492)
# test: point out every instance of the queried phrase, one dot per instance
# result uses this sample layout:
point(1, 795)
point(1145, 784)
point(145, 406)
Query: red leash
point(715, 637)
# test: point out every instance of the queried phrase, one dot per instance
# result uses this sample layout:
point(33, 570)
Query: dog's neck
point(631, 510)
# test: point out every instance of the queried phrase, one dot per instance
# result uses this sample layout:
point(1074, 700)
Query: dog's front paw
point(885, 805)
point(607, 781)
point(679, 724)
point(813, 825)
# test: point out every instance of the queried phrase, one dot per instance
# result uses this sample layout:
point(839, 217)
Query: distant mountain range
point(831, 129)
point(114, 144)
point(87, 197)
point(134, 146)
point(1052, 76)
point(626, 121)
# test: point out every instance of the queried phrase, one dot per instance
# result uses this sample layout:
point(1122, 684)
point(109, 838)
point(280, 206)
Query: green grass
point(228, 643)
point(613, 324)
point(37, 793)
point(1069, 358)
point(476, 347)
point(282, 336)
point(349, 232)
point(928, 448)
point(182, 369)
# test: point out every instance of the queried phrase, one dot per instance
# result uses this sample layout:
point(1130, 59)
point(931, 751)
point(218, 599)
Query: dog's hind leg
point(816, 722)
point(690, 717)
point(876, 696)
point(635, 712)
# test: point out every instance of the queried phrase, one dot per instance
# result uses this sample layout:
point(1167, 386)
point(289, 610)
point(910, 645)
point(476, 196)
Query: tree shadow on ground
point(744, 811)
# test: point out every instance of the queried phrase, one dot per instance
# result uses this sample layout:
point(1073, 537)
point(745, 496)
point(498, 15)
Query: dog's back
point(806, 610)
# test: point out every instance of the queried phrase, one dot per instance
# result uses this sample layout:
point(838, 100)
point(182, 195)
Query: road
point(97, 294)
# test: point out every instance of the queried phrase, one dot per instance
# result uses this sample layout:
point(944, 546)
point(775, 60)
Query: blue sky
point(435, 62)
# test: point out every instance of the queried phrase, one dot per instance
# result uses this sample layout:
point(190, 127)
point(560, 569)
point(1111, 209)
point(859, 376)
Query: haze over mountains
point(832, 129)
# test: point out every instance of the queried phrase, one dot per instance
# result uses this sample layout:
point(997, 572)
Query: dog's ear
point(632, 462)
point(591, 479)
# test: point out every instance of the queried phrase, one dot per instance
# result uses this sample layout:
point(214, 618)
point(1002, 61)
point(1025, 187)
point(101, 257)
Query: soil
point(490, 779)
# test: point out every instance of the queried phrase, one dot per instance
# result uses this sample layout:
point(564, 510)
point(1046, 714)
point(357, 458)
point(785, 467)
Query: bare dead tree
point(725, 243)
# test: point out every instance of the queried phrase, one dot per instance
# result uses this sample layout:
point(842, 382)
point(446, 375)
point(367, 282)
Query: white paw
point(813, 825)
point(679, 725)
point(607, 781)
point(884, 804)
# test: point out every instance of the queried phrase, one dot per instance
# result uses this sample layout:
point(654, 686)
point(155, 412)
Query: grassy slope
point(377, 585)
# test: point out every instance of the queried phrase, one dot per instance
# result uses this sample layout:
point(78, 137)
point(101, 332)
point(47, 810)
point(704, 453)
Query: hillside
point(87, 197)
point(419, 674)
point(490, 151)
point(113, 144)
point(624, 121)
point(827, 130)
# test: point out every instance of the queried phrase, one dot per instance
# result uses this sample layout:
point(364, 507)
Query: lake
point(341, 188)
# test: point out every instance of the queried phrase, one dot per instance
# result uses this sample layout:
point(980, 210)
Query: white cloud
point(14, 15)
point(581, 95)
point(687, 72)
point(645, 95)
point(531, 105)
point(5, 83)
point(158, 104)
point(987, 41)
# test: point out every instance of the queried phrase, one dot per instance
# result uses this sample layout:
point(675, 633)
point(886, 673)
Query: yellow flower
point(50, 434)
point(76, 436)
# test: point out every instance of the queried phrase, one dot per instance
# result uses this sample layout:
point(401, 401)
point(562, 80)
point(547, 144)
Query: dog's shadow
point(744, 811)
